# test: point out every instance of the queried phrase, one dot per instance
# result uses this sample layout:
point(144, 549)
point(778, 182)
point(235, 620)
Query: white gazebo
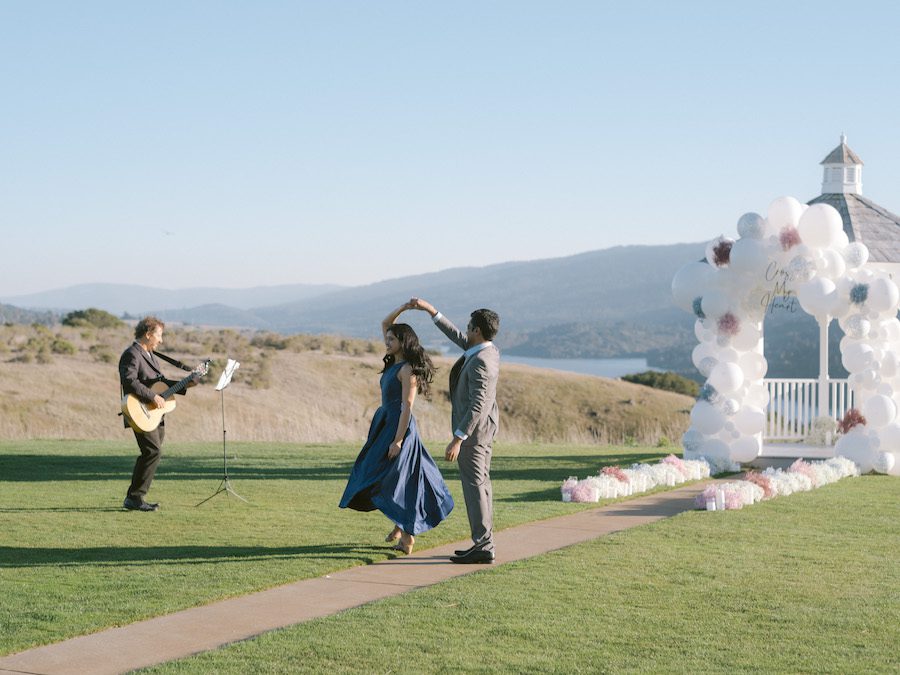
point(795, 403)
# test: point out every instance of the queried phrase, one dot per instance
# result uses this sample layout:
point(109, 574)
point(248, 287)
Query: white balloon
point(706, 419)
point(702, 351)
point(819, 225)
point(726, 377)
point(883, 295)
point(895, 469)
point(719, 243)
point(856, 254)
point(879, 411)
point(714, 303)
point(884, 462)
point(706, 365)
point(747, 338)
point(715, 449)
point(835, 266)
point(690, 282)
point(784, 212)
point(751, 226)
point(746, 449)
point(890, 437)
point(754, 365)
point(857, 447)
point(857, 356)
point(818, 296)
point(749, 257)
point(750, 420)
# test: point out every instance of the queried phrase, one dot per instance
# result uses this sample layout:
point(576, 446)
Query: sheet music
point(225, 379)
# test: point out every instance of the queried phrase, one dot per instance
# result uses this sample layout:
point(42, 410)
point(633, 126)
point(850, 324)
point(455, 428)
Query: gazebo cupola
point(843, 171)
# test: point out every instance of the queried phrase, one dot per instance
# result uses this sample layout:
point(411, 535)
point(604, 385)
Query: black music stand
point(225, 485)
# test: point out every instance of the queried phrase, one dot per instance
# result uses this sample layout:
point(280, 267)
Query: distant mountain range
point(610, 303)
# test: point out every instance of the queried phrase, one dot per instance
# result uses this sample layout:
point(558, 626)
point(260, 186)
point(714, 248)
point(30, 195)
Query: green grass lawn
point(72, 562)
point(807, 583)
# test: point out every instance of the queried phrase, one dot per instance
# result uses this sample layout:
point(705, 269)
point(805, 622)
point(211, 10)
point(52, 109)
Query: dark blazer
point(138, 370)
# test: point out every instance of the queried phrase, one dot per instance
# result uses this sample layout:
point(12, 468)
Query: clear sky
point(257, 143)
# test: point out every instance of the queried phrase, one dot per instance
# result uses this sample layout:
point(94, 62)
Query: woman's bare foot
point(394, 535)
point(406, 543)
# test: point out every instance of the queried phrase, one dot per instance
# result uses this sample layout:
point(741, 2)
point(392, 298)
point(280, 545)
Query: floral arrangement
point(789, 237)
point(756, 486)
point(729, 324)
point(722, 252)
point(614, 481)
point(852, 418)
point(859, 294)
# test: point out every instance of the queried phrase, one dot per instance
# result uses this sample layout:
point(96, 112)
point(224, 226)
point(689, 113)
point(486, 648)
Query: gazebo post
point(823, 367)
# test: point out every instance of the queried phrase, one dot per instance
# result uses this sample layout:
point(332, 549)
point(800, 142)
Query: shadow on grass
point(37, 468)
point(15, 557)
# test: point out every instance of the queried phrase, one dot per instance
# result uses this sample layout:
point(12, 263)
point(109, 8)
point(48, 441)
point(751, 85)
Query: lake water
point(602, 367)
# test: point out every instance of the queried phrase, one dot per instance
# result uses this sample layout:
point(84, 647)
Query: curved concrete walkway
point(174, 636)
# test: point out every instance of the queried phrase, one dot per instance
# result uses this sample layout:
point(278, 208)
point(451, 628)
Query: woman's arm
point(408, 384)
point(392, 316)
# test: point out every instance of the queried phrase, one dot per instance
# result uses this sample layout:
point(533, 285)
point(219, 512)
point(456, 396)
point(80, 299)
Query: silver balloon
point(857, 326)
point(752, 226)
point(801, 268)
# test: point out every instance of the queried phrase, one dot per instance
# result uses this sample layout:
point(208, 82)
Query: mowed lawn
point(73, 562)
point(801, 584)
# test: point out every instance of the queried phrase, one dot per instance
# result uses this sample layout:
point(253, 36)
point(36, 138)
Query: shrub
point(102, 353)
point(61, 346)
point(97, 318)
point(667, 381)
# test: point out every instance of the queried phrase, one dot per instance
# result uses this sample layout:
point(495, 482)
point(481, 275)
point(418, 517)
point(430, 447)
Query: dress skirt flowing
point(408, 489)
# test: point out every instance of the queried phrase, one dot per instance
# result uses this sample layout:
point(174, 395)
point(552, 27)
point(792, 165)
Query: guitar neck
point(178, 386)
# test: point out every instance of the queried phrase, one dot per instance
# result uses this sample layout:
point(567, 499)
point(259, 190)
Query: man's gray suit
point(473, 397)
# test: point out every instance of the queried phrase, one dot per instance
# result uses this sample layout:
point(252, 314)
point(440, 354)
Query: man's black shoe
point(473, 558)
point(134, 505)
point(463, 551)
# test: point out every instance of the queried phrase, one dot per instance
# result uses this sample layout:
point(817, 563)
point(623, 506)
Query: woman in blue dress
point(394, 472)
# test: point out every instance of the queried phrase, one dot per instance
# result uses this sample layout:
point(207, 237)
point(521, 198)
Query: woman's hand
point(394, 450)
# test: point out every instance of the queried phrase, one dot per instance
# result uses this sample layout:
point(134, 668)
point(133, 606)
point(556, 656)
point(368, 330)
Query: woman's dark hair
point(147, 325)
point(413, 354)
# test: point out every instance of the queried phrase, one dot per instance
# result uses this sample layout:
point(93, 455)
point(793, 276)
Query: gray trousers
point(475, 474)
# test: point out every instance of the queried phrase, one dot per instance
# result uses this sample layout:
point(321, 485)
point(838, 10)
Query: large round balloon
point(706, 418)
point(784, 212)
point(820, 225)
point(752, 226)
point(746, 449)
point(750, 420)
point(883, 295)
point(856, 254)
point(726, 377)
point(817, 297)
point(754, 365)
point(691, 282)
point(749, 257)
point(879, 411)
point(857, 447)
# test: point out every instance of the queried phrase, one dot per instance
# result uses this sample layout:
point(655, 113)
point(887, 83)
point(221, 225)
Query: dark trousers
point(150, 445)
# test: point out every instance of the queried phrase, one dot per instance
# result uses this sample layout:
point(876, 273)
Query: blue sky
point(239, 144)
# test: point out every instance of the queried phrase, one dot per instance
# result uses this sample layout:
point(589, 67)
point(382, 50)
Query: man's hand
point(452, 451)
point(419, 303)
point(159, 401)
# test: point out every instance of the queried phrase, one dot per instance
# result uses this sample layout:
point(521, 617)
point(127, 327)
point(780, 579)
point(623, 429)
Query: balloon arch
point(797, 253)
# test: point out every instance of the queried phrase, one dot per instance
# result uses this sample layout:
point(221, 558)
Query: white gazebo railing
point(794, 406)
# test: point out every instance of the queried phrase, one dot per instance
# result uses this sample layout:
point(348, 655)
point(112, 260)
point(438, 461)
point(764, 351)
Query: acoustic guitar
point(141, 417)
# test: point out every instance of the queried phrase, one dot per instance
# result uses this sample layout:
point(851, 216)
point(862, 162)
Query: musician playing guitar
point(138, 371)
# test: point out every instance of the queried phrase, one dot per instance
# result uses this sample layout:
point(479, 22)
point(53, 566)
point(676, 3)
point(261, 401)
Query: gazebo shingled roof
point(866, 221)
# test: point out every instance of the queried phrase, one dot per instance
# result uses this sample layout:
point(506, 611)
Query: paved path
point(174, 636)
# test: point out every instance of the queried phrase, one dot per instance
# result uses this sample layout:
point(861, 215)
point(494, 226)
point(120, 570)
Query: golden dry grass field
point(62, 382)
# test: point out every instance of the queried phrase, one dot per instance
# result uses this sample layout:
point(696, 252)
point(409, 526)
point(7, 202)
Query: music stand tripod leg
point(225, 485)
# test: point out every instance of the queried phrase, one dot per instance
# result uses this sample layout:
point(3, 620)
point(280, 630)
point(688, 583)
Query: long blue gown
point(408, 489)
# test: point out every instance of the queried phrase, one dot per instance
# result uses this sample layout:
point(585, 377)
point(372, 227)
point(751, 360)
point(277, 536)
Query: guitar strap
point(174, 362)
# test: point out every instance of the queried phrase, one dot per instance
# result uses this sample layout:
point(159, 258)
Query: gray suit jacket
point(473, 392)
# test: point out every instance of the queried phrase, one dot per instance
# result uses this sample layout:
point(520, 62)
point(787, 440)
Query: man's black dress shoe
point(463, 551)
point(134, 505)
point(473, 558)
